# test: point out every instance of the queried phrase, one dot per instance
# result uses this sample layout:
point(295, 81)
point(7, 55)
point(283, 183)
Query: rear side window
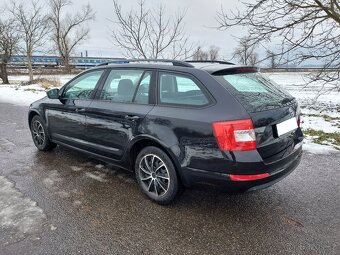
point(123, 85)
point(255, 91)
point(178, 89)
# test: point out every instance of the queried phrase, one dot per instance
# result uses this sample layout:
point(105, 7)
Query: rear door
point(66, 116)
point(274, 112)
point(114, 116)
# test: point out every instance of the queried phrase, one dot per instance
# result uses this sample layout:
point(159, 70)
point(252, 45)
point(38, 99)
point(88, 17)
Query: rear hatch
point(274, 112)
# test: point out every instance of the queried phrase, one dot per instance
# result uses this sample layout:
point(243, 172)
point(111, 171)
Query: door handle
point(131, 117)
point(80, 109)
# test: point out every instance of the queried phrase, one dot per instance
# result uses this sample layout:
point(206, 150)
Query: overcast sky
point(199, 20)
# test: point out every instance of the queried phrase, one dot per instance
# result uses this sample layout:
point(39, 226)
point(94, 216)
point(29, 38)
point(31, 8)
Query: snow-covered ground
point(322, 114)
point(18, 213)
point(320, 111)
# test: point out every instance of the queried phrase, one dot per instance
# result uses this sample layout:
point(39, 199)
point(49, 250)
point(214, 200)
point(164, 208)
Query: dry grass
point(44, 83)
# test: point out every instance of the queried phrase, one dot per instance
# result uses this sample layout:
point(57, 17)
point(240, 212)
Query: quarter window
point(83, 86)
point(180, 90)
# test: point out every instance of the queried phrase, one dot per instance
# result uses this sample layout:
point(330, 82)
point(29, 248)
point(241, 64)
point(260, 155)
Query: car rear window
point(255, 91)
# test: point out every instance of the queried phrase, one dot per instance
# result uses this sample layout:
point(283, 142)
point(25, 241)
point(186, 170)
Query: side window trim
point(204, 90)
point(138, 84)
point(101, 84)
point(152, 78)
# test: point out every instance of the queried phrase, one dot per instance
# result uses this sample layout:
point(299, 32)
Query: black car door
point(114, 116)
point(66, 116)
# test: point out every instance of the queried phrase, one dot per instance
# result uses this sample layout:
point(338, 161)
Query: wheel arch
point(141, 142)
point(31, 114)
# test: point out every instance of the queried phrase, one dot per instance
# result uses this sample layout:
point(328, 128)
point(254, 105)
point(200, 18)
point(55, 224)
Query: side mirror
point(53, 94)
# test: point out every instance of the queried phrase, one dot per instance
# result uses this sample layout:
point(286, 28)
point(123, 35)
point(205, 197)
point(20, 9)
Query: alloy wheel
point(38, 133)
point(154, 175)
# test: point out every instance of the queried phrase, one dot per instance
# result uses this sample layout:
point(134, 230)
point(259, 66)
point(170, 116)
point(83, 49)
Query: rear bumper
point(277, 170)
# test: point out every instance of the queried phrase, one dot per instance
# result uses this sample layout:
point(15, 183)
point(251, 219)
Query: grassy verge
point(321, 137)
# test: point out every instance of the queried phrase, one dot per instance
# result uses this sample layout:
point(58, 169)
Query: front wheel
point(39, 134)
point(156, 175)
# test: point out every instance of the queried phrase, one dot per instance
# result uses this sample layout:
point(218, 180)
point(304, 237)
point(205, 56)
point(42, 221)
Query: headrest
point(125, 87)
point(168, 84)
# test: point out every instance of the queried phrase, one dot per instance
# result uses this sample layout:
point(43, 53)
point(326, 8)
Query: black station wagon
point(176, 124)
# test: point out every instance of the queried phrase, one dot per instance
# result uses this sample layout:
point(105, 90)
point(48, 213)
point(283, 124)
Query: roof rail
point(127, 61)
point(210, 61)
point(118, 61)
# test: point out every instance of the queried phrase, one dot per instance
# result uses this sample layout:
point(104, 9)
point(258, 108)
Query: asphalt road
point(63, 202)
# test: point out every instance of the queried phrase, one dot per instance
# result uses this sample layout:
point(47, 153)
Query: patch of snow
point(25, 95)
point(329, 112)
point(6, 142)
point(53, 227)
point(53, 177)
point(76, 168)
point(77, 203)
point(96, 176)
point(19, 96)
point(18, 213)
point(295, 84)
point(315, 148)
point(62, 78)
point(99, 166)
point(319, 123)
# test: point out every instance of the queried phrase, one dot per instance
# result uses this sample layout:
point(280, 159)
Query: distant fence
point(298, 69)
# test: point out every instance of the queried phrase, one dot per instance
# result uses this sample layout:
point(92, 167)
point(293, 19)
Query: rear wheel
point(156, 175)
point(39, 134)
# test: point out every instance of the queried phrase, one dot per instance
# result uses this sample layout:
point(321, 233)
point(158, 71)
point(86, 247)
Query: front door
point(66, 117)
point(114, 116)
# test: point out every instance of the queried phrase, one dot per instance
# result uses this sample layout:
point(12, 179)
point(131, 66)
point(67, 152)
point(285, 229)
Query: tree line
point(302, 29)
point(26, 27)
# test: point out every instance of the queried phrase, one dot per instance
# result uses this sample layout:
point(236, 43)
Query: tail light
point(298, 115)
point(236, 135)
point(299, 121)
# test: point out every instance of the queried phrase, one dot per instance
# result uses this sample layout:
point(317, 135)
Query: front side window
point(121, 86)
point(180, 89)
point(83, 86)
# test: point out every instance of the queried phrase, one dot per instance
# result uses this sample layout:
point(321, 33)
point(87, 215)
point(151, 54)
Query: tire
point(157, 176)
point(39, 134)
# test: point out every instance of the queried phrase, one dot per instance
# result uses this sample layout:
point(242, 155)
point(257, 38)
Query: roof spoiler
point(236, 70)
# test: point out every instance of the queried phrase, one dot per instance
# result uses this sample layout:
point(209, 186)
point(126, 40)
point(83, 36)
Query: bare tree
point(211, 54)
point(148, 33)
point(68, 30)
point(8, 43)
point(272, 58)
point(214, 52)
point(307, 29)
point(245, 52)
point(200, 54)
point(32, 25)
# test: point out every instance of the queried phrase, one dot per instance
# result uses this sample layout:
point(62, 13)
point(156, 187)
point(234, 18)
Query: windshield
point(255, 91)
